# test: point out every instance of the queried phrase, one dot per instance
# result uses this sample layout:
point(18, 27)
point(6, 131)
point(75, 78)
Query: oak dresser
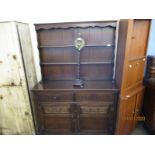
point(87, 74)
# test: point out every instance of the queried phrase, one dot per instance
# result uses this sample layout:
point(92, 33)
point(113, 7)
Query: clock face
point(79, 43)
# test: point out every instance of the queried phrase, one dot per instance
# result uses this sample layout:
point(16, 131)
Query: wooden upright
point(131, 59)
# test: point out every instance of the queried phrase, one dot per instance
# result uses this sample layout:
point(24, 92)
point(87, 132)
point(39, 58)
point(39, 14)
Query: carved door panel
point(95, 118)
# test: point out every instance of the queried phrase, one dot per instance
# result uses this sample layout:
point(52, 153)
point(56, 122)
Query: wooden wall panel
point(55, 55)
point(68, 54)
point(59, 72)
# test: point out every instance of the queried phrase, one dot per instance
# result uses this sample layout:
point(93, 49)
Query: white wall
point(151, 44)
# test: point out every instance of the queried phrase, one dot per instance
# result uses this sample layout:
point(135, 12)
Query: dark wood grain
point(60, 107)
point(67, 25)
point(68, 85)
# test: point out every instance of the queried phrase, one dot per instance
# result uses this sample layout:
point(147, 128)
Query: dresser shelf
point(68, 85)
point(66, 46)
point(73, 63)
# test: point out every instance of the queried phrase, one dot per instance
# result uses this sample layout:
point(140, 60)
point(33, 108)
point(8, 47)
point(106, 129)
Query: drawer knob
point(54, 97)
point(130, 66)
point(128, 96)
point(144, 59)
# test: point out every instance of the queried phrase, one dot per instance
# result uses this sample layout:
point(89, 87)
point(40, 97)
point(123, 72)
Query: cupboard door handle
point(128, 96)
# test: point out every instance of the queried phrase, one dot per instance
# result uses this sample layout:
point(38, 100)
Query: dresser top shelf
point(67, 25)
point(68, 86)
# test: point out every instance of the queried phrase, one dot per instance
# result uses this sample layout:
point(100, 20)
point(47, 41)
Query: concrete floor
point(140, 130)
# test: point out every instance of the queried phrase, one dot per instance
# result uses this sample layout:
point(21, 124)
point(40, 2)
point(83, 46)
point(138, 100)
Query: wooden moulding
point(75, 25)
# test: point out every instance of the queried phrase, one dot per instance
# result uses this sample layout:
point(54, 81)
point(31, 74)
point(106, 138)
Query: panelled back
point(59, 57)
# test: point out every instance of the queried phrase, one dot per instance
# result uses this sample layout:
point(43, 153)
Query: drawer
point(54, 96)
point(90, 96)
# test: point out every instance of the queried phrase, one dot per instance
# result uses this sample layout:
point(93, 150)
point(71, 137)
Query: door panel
point(126, 114)
point(58, 123)
point(93, 123)
point(96, 118)
point(135, 72)
point(131, 74)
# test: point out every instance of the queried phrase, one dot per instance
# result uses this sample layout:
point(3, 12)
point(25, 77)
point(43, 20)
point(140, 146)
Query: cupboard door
point(55, 118)
point(135, 72)
point(131, 74)
point(96, 118)
point(126, 115)
point(138, 107)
